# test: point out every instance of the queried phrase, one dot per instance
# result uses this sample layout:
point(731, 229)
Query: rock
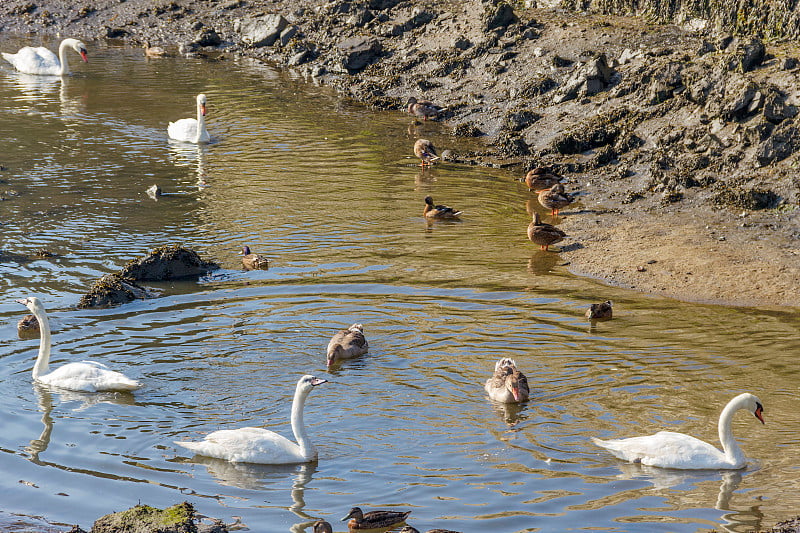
point(168, 263)
point(747, 56)
point(776, 110)
point(287, 34)
point(262, 31)
point(154, 192)
point(789, 63)
point(112, 289)
point(360, 17)
point(208, 37)
point(299, 58)
point(176, 519)
point(746, 198)
point(358, 52)
point(737, 105)
point(592, 78)
point(461, 43)
point(783, 142)
point(498, 15)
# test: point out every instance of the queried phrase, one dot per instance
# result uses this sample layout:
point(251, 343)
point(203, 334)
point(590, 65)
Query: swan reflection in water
point(192, 156)
point(259, 477)
point(736, 520)
point(44, 399)
point(44, 89)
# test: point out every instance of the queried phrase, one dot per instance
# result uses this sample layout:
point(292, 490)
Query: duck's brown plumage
point(321, 526)
point(555, 198)
point(541, 178)
point(374, 519)
point(439, 211)
point(28, 325)
point(425, 151)
point(424, 108)
point(409, 529)
point(154, 51)
point(253, 261)
point(601, 311)
point(544, 234)
point(507, 385)
point(347, 343)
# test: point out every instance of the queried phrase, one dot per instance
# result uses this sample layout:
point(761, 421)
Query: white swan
point(258, 445)
point(668, 449)
point(86, 376)
point(190, 129)
point(42, 61)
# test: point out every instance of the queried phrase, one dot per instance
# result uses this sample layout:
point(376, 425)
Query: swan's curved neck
point(42, 365)
point(62, 56)
point(298, 428)
point(201, 127)
point(733, 452)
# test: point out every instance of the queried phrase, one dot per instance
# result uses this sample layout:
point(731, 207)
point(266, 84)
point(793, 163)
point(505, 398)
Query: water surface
point(329, 192)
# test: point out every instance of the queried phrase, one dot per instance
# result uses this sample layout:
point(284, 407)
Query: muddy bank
point(682, 145)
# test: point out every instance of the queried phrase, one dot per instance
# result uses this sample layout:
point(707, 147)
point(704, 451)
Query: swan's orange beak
point(84, 56)
point(759, 412)
point(203, 109)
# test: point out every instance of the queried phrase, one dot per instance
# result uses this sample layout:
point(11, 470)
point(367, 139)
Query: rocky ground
point(682, 146)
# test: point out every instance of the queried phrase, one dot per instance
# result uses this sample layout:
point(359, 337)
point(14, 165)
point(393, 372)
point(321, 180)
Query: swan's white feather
point(185, 130)
point(668, 449)
point(248, 445)
point(38, 60)
point(88, 376)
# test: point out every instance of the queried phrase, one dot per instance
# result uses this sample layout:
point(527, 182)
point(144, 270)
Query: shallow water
point(328, 191)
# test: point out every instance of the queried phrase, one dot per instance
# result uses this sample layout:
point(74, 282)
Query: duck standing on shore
point(540, 178)
point(544, 234)
point(425, 151)
point(424, 109)
point(555, 198)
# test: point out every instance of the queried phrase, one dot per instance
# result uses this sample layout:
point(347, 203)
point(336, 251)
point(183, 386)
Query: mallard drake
point(555, 198)
point(426, 152)
point(253, 261)
point(424, 108)
point(154, 51)
point(409, 529)
point(601, 311)
point(507, 385)
point(541, 178)
point(544, 234)
point(347, 343)
point(441, 212)
point(321, 526)
point(374, 519)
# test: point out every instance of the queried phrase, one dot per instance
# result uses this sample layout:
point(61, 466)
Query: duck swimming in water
point(507, 385)
point(374, 519)
point(347, 343)
point(253, 261)
point(601, 311)
point(440, 212)
point(321, 526)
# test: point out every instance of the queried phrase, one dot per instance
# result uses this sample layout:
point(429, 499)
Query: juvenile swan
point(189, 129)
point(347, 343)
point(668, 449)
point(43, 62)
point(87, 376)
point(261, 446)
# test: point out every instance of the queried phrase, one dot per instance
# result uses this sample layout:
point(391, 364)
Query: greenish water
point(330, 192)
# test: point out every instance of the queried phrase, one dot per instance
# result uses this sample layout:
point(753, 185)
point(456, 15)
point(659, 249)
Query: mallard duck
point(555, 198)
point(409, 529)
point(321, 526)
point(507, 385)
point(347, 343)
point(154, 51)
point(441, 212)
point(424, 108)
point(544, 234)
point(541, 178)
point(601, 311)
point(28, 325)
point(374, 519)
point(253, 261)
point(426, 152)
